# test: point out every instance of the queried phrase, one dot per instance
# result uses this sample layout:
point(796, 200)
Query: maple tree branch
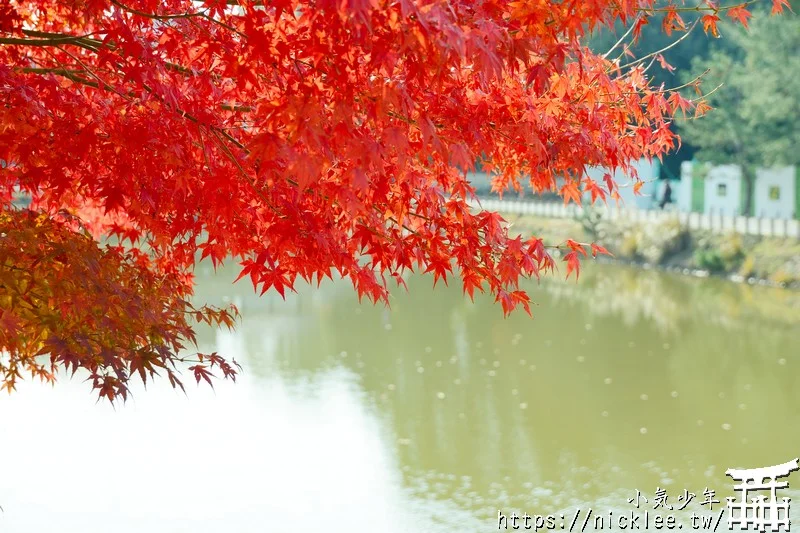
point(76, 79)
point(709, 93)
point(237, 108)
point(32, 42)
point(650, 64)
point(71, 74)
point(698, 8)
point(82, 41)
point(217, 133)
point(412, 213)
point(154, 16)
point(658, 52)
point(199, 14)
point(105, 85)
point(693, 83)
point(701, 99)
point(46, 39)
point(66, 73)
point(93, 74)
point(621, 39)
point(413, 232)
point(51, 35)
point(43, 38)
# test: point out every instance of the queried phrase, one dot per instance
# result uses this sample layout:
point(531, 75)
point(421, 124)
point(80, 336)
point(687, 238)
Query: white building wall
point(480, 180)
point(648, 172)
point(774, 182)
point(684, 189)
point(723, 189)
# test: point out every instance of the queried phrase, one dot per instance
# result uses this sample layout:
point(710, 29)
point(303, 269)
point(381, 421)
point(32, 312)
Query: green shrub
point(731, 250)
point(709, 260)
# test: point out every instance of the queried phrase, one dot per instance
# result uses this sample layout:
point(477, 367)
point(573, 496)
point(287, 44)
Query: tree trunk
point(748, 180)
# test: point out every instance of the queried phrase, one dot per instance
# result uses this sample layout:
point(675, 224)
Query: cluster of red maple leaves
point(299, 138)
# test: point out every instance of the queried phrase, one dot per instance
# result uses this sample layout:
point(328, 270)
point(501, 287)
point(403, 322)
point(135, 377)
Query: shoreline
point(699, 273)
point(671, 247)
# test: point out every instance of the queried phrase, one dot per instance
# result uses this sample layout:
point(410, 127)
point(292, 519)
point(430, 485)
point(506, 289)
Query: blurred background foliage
point(754, 74)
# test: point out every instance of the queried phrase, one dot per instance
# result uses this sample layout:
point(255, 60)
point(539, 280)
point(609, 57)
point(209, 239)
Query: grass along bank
point(673, 247)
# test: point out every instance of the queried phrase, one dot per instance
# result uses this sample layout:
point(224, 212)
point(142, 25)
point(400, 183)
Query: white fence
point(713, 222)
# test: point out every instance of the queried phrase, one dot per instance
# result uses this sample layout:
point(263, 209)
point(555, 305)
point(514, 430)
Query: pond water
point(432, 416)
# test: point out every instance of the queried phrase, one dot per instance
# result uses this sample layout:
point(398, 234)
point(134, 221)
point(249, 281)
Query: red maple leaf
point(297, 140)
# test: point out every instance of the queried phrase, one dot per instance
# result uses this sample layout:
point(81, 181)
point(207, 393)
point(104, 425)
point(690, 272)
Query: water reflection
point(268, 455)
point(434, 414)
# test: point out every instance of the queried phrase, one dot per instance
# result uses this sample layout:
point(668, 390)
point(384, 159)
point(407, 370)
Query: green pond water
point(433, 415)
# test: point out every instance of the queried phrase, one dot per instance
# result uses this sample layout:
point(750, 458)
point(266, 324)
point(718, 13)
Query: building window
point(774, 193)
point(722, 189)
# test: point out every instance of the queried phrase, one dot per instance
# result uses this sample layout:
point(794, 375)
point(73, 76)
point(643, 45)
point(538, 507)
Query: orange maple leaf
point(779, 5)
point(710, 24)
point(740, 14)
point(569, 191)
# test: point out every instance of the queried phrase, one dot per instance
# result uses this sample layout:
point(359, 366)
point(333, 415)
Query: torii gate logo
point(757, 511)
